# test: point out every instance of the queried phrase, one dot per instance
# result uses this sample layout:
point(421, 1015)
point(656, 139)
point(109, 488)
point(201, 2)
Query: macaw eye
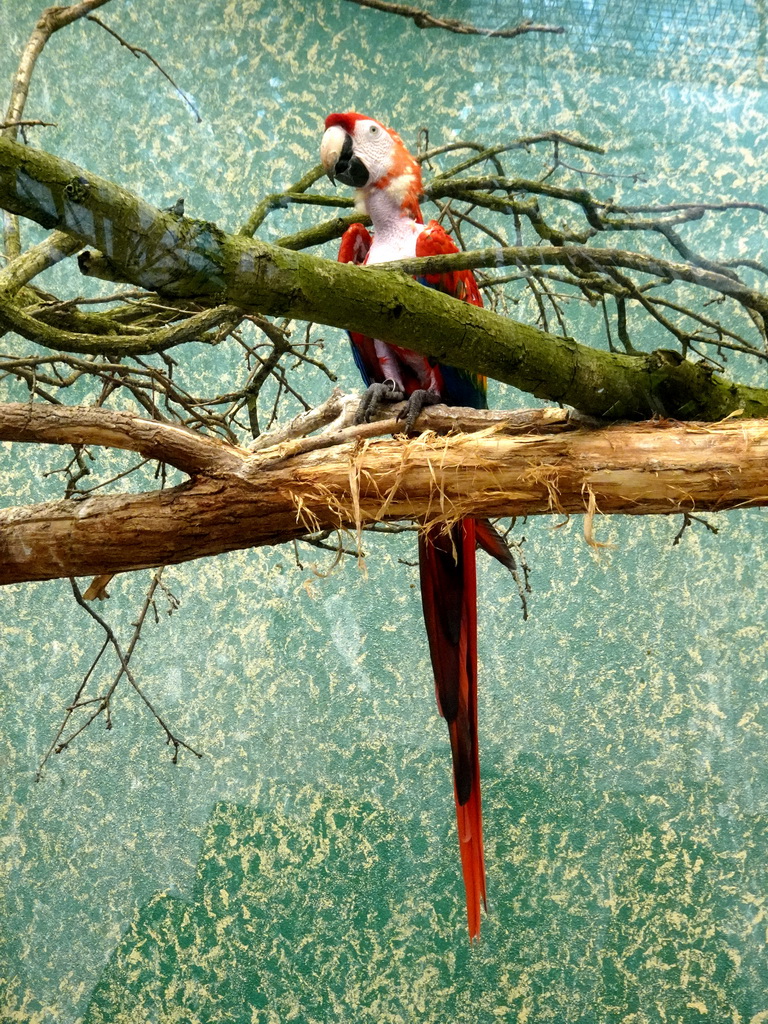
point(374, 129)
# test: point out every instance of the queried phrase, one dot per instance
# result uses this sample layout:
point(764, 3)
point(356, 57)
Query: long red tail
point(449, 597)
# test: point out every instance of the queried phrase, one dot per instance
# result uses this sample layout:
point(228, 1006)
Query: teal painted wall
point(306, 869)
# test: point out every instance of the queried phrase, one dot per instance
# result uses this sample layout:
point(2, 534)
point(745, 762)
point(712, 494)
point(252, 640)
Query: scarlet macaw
point(361, 152)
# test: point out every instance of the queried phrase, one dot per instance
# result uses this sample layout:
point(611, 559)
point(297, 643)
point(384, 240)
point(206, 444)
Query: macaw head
point(363, 153)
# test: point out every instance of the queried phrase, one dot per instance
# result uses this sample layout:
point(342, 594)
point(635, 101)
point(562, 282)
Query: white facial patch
point(373, 145)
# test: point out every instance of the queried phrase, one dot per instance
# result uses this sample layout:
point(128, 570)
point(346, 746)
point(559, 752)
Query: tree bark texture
point(235, 499)
point(182, 257)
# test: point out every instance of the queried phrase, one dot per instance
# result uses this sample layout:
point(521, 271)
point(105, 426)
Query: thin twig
point(422, 19)
point(73, 706)
point(103, 702)
point(140, 51)
point(688, 520)
point(28, 124)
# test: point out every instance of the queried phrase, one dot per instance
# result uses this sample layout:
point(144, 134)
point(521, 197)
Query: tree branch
point(138, 51)
point(197, 327)
point(181, 257)
point(422, 19)
point(238, 500)
point(187, 450)
point(56, 247)
point(51, 20)
point(587, 259)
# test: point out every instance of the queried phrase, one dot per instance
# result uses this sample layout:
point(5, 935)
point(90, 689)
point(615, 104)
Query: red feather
point(449, 599)
point(435, 240)
point(355, 243)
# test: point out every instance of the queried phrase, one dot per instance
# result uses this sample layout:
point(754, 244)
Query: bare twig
point(73, 706)
point(102, 705)
point(138, 51)
point(688, 520)
point(28, 124)
point(422, 19)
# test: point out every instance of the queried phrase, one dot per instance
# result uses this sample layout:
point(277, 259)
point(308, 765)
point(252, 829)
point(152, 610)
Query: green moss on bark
point(181, 257)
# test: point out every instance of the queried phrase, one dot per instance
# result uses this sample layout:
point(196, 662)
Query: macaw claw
point(372, 398)
point(417, 401)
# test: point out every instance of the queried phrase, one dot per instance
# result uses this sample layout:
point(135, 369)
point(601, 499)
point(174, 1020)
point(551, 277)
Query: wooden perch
point(539, 463)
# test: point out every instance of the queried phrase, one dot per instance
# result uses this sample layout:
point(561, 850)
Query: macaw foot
point(417, 401)
point(374, 395)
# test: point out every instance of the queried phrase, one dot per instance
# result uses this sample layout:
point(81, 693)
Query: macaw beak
point(338, 159)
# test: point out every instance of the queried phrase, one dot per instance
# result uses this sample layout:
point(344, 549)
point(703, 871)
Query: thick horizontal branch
point(239, 500)
point(181, 257)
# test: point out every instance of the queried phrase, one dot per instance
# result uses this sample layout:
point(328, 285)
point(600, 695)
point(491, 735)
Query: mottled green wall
point(306, 869)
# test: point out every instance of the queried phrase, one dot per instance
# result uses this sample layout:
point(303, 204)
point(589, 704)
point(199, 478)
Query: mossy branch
point(181, 257)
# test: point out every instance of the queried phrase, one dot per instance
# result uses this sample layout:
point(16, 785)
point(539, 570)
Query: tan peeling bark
point(236, 499)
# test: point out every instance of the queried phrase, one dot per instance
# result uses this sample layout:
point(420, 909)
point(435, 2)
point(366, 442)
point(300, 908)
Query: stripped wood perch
point(540, 462)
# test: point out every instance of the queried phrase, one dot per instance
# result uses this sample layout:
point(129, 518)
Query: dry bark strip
point(237, 499)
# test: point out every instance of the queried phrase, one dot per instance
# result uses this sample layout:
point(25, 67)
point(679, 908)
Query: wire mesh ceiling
point(692, 33)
